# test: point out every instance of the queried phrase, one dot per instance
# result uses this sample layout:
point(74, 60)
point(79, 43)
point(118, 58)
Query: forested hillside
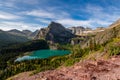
point(7, 39)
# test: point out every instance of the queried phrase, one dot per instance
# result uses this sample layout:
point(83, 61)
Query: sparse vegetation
point(77, 53)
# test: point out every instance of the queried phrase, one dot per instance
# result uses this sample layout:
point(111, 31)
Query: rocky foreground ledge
point(86, 70)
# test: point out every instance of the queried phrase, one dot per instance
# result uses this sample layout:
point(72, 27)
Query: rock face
point(100, 35)
point(79, 30)
point(55, 33)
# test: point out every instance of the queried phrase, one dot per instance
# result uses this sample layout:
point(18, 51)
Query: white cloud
point(13, 3)
point(100, 16)
point(45, 21)
point(8, 16)
point(85, 23)
point(47, 14)
point(7, 4)
point(40, 13)
point(72, 22)
point(97, 16)
point(5, 25)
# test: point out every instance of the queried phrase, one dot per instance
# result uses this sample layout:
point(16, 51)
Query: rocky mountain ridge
point(55, 33)
point(111, 32)
point(25, 33)
point(6, 38)
point(115, 23)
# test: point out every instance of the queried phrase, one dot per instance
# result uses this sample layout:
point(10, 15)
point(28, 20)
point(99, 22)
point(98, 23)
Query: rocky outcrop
point(104, 35)
point(55, 33)
point(79, 30)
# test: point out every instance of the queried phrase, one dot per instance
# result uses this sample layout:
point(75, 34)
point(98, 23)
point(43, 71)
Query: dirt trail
point(86, 70)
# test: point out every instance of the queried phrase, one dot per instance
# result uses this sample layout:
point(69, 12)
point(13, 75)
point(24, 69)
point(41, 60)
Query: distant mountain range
point(6, 38)
point(25, 33)
point(57, 33)
point(15, 36)
point(104, 43)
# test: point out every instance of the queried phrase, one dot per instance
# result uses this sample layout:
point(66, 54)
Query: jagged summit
point(55, 32)
point(55, 25)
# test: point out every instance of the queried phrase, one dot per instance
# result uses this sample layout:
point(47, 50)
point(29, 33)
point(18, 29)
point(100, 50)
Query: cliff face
point(55, 33)
point(77, 30)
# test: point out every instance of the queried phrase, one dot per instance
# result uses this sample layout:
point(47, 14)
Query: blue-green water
point(41, 54)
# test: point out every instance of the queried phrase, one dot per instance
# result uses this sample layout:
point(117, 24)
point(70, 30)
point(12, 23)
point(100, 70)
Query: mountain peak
point(56, 33)
point(56, 26)
point(53, 22)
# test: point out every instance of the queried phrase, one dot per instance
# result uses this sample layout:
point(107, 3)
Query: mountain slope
point(33, 34)
point(7, 38)
point(86, 70)
point(27, 32)
point(16, 32)
point(108, 34)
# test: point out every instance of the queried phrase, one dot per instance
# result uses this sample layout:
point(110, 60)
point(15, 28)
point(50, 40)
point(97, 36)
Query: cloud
point(13, 3)
point(92, 23)
point(40, 13)
point(7, 4)
point(45, 21)
point(32, 11)
point(8, 16)
point(97, 16)
point(73, 22)
point(7, 25)
point(47, 14)
point(101, 16)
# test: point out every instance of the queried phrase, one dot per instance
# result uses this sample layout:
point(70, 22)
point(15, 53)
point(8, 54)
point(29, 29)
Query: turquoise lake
point(42, 54)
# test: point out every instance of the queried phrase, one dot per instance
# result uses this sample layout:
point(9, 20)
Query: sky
point(36, 14)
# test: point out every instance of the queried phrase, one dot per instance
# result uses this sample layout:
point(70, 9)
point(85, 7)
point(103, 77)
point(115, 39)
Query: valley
point(83, 50)
point(59, 39)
